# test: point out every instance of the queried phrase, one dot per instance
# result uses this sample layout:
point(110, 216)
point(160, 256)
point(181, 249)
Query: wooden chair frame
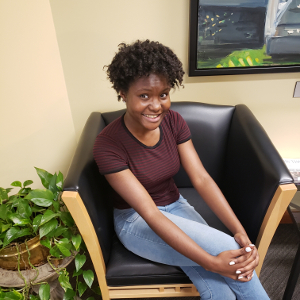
point(73, 201)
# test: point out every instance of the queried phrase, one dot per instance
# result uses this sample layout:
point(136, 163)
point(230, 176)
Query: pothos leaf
point(27, 182)
point(46, 228)
point(64, 282)
point(82, 286)
point(60, 181)
point(44, 176)
point(79, 261)
point(42, 198)
point(76, 241)
point(44, 291)
point(88, 277)
point(16, 183)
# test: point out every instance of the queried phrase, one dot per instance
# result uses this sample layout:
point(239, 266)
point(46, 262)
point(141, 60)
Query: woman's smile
point(147, 101)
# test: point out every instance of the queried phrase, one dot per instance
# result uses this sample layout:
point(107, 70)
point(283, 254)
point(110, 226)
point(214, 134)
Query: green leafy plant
point(32, 212)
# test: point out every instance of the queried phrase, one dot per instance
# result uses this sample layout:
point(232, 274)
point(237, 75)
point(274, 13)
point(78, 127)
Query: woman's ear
point(123, 96)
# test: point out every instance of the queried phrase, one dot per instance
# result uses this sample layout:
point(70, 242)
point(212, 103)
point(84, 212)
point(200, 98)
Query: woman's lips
point(152, 117)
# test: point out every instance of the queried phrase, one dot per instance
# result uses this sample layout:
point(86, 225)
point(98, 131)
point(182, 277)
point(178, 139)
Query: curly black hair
point(140, 59)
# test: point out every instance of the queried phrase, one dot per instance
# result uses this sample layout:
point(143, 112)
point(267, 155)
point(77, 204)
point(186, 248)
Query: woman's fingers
point(242, 255)
point(246, 272)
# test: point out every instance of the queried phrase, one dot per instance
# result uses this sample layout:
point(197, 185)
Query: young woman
point(140, 152)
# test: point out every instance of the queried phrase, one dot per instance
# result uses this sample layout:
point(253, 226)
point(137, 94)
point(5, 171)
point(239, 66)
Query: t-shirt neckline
point(139, 142)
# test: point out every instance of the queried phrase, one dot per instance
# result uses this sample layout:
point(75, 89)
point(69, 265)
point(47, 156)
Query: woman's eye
point(163, 95)
point(144, 96)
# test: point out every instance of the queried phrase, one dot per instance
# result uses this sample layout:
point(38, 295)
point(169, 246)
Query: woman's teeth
point(151, 116)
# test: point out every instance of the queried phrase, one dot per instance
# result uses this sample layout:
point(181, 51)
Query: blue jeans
point(138, 237)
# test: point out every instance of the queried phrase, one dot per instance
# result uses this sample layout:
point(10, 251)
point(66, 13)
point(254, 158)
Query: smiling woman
point(140, 152)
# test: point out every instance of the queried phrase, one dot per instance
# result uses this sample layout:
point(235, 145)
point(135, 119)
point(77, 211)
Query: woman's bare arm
point(132, 191)
point(212, 195)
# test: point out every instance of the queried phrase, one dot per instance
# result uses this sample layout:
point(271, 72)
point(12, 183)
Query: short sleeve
point(109, 156)
point(182, 131)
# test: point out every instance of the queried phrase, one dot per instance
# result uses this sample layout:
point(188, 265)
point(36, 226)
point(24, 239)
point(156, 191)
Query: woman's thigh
point(139, 238)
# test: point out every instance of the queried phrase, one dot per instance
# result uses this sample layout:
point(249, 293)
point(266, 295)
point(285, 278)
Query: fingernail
point(232, 263)
point(252, 245)
point(238, 272)
point(240, 277)
point(248, 249)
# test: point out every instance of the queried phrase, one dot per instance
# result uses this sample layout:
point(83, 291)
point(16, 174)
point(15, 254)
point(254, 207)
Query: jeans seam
point(207, 286)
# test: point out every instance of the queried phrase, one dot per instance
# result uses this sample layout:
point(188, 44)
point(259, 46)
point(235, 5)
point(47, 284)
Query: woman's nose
point(155, 104)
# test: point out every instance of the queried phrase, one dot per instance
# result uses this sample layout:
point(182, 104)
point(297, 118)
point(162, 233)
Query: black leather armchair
point(237, 153)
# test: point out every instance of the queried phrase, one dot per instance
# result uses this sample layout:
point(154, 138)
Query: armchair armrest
point(253, 172)
point(84, 178)
point(257, 183)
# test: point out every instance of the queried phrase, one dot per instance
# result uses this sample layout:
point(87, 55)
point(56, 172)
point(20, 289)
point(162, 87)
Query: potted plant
point(39, 217)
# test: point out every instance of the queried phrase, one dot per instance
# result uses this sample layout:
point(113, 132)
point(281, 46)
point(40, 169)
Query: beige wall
point(88, 33)
point(36, 126)
point(51, 77)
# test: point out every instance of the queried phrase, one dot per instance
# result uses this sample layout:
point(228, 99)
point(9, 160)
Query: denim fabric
point(138, 237)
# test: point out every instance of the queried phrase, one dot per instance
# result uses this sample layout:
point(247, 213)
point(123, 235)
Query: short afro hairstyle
point(141, 59)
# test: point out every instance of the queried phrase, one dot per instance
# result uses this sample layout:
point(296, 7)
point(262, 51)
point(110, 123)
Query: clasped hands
point(239, 264)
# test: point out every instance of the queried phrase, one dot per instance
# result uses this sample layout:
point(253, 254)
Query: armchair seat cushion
point(125, 268)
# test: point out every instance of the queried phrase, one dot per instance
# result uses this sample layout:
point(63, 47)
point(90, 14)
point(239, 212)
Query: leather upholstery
point(234, 149)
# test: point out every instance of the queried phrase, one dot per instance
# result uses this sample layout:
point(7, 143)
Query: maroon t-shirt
point(116, 149)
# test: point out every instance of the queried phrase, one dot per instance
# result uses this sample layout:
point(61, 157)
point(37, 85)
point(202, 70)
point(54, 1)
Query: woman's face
point(147, 102)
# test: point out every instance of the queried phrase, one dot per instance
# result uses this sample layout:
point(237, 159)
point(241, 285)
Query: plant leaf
point(67, 234)
point(24, 208)
point(24, 191)
point(69, 295)
point(46, 242)
point(23, 232)
point(56, 206)
point(27, 182)
point(82, 286)
point(36, 222)
point(75, 273)
point(60, 181)
point(46, 228)
point(9, 236)
point(63, 250)
point(14, 233)
point(3, 194)
point(32, 297)
point(76, 240)
point(79, 261)
point(52, 184)
point(44, 291)
point(47, 216)
point(16, 183)
point(67, 219)
point(41, 197)
point(88, 277)
point(3, 211)
point(64, 282)
point(14, 295)
point(96, 290)
point(37, 209)
point(90, 298)
point(55, 252)
point(44, 176)
point(60, 230)
point(5, 227)
point(18, 220)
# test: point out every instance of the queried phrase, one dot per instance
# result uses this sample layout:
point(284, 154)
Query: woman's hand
point(237, 264)
point(243, 240)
